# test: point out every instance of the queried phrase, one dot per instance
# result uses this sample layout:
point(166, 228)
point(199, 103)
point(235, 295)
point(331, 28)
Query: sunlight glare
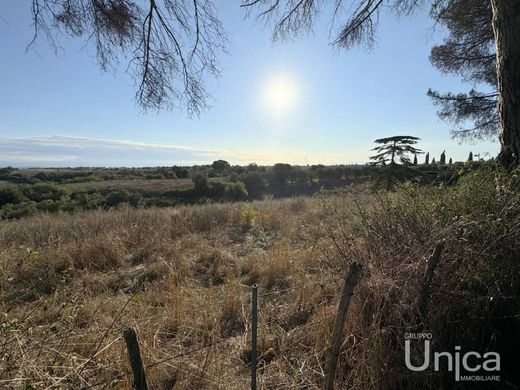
point(280, 95)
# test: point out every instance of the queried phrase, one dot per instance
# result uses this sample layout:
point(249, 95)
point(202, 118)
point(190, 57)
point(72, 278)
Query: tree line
point(50, 191)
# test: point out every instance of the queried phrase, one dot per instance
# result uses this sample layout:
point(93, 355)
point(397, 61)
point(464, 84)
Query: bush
point(181, 173)
point(248, 216)
point(281, 173)
point(50, 205)
point(23, 209)
point(475, 290)
point(217, 190)
point(167, 173)
point(155, 176)
point(88, 201)
point(114, 198)
point(42, 191)
point(200, 180)
point(12, 195)
point(255, 183)
point(236, 191)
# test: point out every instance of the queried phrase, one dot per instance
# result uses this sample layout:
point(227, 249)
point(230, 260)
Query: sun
point(280, 95)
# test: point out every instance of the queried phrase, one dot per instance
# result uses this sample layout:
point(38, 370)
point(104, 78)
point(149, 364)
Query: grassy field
point(70, 285)
point(145, 187)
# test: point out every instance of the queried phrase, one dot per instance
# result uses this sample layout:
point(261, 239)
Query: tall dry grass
point(69, 285)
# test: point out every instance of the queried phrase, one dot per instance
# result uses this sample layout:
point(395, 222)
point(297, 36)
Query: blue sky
point(62, 110)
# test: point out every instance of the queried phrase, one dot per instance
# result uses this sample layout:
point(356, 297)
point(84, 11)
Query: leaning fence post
point(433, 260)
point(351, 278)
point(134, 355)
point(254, 324)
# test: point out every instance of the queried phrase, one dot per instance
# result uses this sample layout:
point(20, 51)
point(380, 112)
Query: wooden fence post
point(351, 278)
point(134, 356)
point(433, 260)
point(254, 325)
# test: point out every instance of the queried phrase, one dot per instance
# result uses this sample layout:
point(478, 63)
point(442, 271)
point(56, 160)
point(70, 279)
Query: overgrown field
point(70, 285)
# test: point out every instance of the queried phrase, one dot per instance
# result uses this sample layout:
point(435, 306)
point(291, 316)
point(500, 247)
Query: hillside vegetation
point(70, 284)
point(26, 192)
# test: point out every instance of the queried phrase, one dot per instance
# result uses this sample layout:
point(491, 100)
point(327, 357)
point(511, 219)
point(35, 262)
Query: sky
point(300, 101)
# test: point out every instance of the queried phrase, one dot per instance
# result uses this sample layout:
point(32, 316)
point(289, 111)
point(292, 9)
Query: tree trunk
point(506, 28)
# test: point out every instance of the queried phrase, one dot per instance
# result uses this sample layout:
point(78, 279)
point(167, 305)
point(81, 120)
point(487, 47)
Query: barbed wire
point(286, 316)
point(217, 342)
point(268, 324)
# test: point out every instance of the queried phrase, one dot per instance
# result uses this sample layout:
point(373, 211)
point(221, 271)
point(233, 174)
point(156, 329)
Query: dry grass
point(144, 186)
point(69, 285)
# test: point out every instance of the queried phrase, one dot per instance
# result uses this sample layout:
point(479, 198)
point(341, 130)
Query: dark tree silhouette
point(281, 173)
point(172, 44)
point(427, 158)
point(442, 160)
point(468, 51)
point(394, 148)
point(220, 165)
point(200, 182)
point(391, 151)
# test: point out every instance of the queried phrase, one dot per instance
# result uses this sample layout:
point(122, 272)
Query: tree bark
point(506, 28)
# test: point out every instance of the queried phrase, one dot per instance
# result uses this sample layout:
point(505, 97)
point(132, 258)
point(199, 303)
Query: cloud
point(63, 151)
point(66, 151)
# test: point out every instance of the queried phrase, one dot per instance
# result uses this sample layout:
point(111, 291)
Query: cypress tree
point(443, 158)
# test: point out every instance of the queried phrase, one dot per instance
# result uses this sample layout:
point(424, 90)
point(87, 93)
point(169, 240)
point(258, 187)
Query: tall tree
point(389, 153)
point(442, 159)
point(173, 45)
point(506, 29)
point(220, 165)
point(427, 158)
point(358, 26)
point(393, 149)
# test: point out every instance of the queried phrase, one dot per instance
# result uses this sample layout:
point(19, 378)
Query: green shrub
point(12, 195)
point(217, 190)
point(255, 183)
point(200, 180)
point(42, 191)
point(114, 198)
point(236, 191)
point(23, 209)
point(50, 205)
point(88, 201)
point(155, 176)
point(475, 290)
point(248, 216)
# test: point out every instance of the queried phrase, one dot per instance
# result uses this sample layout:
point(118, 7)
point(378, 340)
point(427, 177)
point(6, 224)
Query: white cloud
point(65, 150)
point(61, 151)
